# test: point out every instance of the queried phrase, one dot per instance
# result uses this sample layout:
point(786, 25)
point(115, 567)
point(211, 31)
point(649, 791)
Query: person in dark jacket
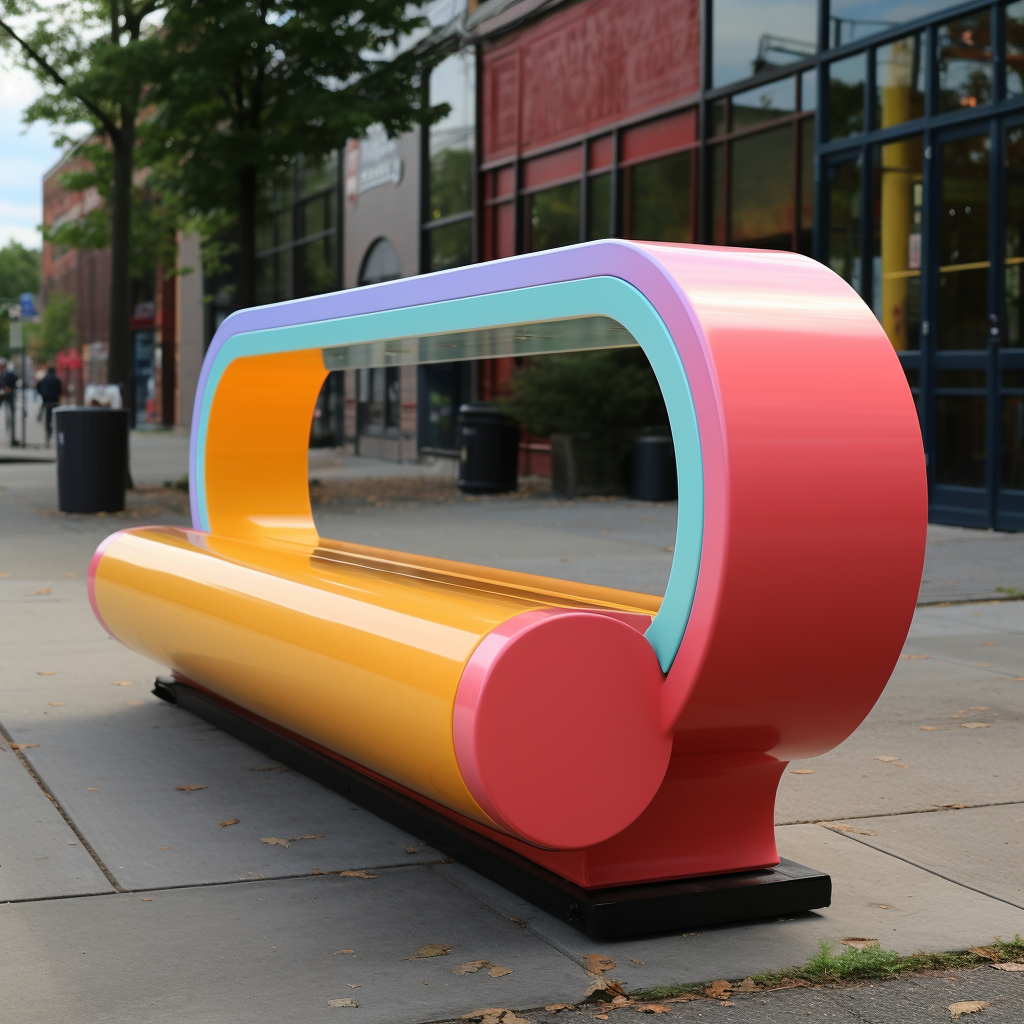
point(8, 382)
point(50, 389)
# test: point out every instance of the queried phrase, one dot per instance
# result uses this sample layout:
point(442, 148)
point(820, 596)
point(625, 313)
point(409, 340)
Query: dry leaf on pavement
point(342, 1002)
point(886, 757)
point(718, 990)
point(274, 841)
point(603, 984)
point(976, 708)
point(859, 943)
point(189, 789)
point(802, 771)
point(432, 949)
point(45, 672)
point(23, 746)
point(412, 849)
point(595, 963)
point(747, 985)
point(975, 725)
point(850, 828)
point(493, 1015)
point(930, 728)
point(1008, 967)
point(558, 1007)
point(44, 590)
point(499, 972)
point(651, 1008)
point(347, 874)
point(970, 1006)
point(56, 703)
point(917, 657)
point(230, 821)
point(351, 951)
point(635, 961)
point(350, 985)
point(124, 682)
point(471, 967)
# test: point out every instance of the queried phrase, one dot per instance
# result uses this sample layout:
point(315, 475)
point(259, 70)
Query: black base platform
point(600, 913)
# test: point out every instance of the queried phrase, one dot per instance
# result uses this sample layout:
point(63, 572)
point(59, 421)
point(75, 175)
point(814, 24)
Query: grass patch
point(829, 967)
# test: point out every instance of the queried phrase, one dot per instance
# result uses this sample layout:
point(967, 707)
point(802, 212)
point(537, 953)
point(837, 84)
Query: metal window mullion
point(614, 214)
point(584, 190)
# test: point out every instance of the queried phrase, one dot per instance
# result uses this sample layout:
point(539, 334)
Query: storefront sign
point(370, 162)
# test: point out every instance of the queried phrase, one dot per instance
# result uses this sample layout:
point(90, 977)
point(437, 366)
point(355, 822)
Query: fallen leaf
point(189, 789)
point(1008, 967)
point(640, 962)
point(980, 709)
point(558, 1007)
point(45, 672)
point(595, 963)
point(917, 657)
point(69, 574)
point(930, 728)
point(274, 841)
point(519, 921)
point(603, 984)
point(884, 906)
point(886, 757)
point(350, 985)
point(147, 899)
point(957, 807)
point(984, 951)
point(44, 590)
point(124, 682)
point(134, 703)
point(747, 985)
point(4, 575)
point(860, 943)
point(91, 789)
point(718, 990)
point(600, 1016)
point(499, 972)
point(164, 847)
point(471, 967)
point(412, 849)
point(312, 835)
point(974, 725)
point(342, 1002)
point(970, 1006)
point(850, 828)
point(685, 998)
point(347, 874)
point(432, 949)
point(621, 1001)
point(802, 771)
point(351, 952)
point(23, 746)
point(230, 821)
point(56, 703)
point(493, 1015)
point(651, 1008)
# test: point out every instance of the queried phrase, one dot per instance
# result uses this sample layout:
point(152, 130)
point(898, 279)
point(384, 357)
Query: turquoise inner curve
point(597, 296)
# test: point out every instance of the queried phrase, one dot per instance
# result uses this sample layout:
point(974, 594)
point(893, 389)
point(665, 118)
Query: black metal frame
point(607, 914)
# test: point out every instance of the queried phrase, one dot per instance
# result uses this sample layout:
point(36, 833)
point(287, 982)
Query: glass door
point(962, 457)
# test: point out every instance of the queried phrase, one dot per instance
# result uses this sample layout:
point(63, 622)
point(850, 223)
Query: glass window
point(809, 90)
point(1015, 49)
point(761, 202)
point(317, 266)
point(553, 217)
point(381, 263)
point(719, 118)
point(274, 277)
point(900, 81)
point(960, 440)
point(318, 215)
point(378, 399)
point(718, 236)
point(896, 264)
point(850, 20)
point(452, 138)
point(846, 95)
point(964, 60)
point(963, 245)
point(659, 199)
point(807, 185)
point(451, 245)
point(599, 202)
point(766, 103)
point(750, 36)
point(1013, 269)
point(844, 258)
point(318, 175)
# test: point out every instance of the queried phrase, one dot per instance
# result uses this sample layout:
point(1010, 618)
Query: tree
point(56, 327)
point(88, 57)
point(19, 273)
point(243, 88)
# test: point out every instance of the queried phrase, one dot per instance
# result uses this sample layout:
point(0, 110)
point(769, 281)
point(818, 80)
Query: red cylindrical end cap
point(557, 729)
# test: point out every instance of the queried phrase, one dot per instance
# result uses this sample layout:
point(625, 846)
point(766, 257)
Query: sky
point(24, 156)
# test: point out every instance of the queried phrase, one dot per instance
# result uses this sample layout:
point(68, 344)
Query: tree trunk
point(246, 238)
point(121, 357)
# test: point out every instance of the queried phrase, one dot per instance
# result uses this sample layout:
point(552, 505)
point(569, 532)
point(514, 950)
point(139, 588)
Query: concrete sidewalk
point(126, 899)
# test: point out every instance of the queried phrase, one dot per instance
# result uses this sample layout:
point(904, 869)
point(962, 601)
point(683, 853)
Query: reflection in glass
point(750, 36)
point(377, 406)
point(964, 58)
point(844, 221)
point(1013, 378)
point(806, 236)
point(1013, 267)
point(960, 378)
point(318, 175)
point(900, 81)
point(718, 195)
point(553, 217)
point(599, 203)
point(913, 375)
point(765, 103)
point(452, 138)
point(850, 20)
point(318, 215)
point(317, 266)
point(899, 192)
point(658, 206)
point(960, 440)
point(809, 90)
point(719, 120)
point(1012, 476)
point(963, 244)
point(761, 185)
point(1015, 49)
point(451, 245)
point(274, 277)
point(846, 95)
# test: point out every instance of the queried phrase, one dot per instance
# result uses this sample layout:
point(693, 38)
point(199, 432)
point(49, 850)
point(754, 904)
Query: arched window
point(380, 263)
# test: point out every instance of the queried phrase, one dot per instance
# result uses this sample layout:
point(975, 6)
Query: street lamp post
point(18, 345)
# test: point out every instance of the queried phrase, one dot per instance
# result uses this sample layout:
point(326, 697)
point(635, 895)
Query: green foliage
point(872, 962)
point(19, 272)
point(451, 182)
point(56, 327)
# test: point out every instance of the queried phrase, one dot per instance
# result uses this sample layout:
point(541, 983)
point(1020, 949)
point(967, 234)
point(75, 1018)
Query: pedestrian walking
point(50, 389)
point(8, 382)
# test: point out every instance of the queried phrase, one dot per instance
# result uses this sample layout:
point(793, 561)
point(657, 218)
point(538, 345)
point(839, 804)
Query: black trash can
point(488, 449)
point(653, 476)
point(92, 458)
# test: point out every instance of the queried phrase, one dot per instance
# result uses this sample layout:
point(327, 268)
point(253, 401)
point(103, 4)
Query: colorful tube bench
point(610, 738)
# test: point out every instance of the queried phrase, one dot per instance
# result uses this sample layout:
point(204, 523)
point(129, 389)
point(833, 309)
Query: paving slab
point(977, 846)
point(266, 952)
point(40, 855)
